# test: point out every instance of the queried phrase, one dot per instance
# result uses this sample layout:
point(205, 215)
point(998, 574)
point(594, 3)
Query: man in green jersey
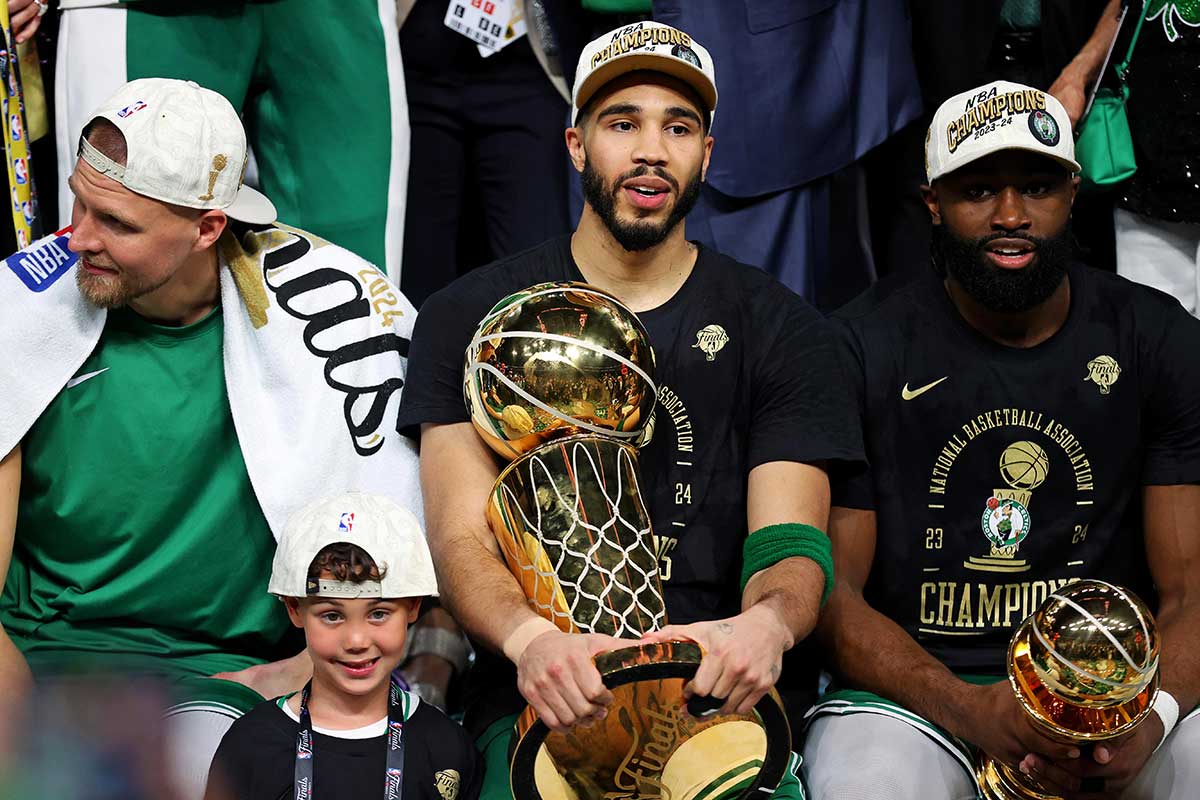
point(135, 521)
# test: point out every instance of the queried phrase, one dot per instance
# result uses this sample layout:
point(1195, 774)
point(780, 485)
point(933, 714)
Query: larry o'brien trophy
point(1084, 667)
point(559, 377)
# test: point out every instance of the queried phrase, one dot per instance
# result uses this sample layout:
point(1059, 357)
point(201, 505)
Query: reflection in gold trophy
point(559, 377)
point(1084, 667)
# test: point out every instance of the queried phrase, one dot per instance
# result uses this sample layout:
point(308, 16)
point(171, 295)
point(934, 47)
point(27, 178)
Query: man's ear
point(929, 196)
point(708, 147)
point(210, 226)
point(575, 147)
point(292, 604)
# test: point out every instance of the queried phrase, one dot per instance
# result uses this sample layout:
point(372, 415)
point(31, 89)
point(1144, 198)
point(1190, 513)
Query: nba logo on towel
point(14, 122)
point(21, 170)
point(347, 522)
point(27, 210)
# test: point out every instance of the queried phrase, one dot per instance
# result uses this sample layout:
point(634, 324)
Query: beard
point(112, 291)
point(639, 234)
point(1006, 291)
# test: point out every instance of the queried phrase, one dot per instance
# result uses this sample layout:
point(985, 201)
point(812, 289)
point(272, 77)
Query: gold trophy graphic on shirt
point(1084, 667)
point(559, 380)
point(1024, 466)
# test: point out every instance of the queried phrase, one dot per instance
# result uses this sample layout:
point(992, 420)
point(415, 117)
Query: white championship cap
point(993, 117)
point(644, 45)
point(186, 145)
point(389, 534)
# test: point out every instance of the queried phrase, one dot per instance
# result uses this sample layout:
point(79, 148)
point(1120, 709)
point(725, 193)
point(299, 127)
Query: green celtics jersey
point(140, 545)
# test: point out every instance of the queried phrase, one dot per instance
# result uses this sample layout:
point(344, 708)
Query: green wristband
point(767, 546)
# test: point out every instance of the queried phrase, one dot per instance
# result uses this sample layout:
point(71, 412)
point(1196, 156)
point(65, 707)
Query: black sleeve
point(1172, 409)
point(850, 483)
point(433, 390)
point(242, 766)
point(800, 395)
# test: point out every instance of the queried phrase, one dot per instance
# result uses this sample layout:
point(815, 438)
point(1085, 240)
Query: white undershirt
point(366, 732)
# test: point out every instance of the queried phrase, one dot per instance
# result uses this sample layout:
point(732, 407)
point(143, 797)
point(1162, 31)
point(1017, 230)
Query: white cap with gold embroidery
point(390, 535)
point(997, 116)
point(644, 45)
point(186, 145)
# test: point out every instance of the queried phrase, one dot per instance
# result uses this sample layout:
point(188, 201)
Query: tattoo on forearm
point(725, 628)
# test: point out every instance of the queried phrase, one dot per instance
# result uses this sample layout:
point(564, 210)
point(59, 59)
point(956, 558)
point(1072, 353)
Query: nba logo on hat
point(346, 523)
point(129, 109)
point(21, 170)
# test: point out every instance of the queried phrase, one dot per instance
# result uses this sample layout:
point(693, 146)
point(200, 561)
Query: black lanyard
point(393, 777)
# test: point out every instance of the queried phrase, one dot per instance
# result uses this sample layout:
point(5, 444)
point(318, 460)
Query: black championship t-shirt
point(747, 374)
point(999, 474)
point(257, 758)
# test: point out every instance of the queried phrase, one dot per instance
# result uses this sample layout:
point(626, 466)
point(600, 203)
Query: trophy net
point(574, 530)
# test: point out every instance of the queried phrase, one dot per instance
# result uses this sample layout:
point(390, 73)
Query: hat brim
point(631, 62)
point(1067, 163)
point(251, 206)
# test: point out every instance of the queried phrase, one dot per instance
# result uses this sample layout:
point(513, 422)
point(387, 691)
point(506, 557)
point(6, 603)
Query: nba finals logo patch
point(710, 339)
point(1103, 371)
point(447, 782)
point(346, 523)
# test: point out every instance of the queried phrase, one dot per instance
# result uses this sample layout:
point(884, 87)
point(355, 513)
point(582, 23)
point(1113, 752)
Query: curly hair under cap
point(345, 562)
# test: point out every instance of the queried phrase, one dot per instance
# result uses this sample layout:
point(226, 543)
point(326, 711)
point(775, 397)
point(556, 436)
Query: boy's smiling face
point(354, 644)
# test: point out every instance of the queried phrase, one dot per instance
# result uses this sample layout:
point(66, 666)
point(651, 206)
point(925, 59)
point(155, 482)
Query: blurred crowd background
point(428, 136)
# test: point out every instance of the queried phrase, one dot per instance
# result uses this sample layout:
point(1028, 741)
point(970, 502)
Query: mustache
point(641, 172)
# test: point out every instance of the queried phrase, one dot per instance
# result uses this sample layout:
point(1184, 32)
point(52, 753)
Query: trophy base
point(648, 746)
point(998, 781)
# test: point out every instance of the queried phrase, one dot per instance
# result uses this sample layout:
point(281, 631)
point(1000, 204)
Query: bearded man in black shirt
point(750, 412)
point(1028, 422)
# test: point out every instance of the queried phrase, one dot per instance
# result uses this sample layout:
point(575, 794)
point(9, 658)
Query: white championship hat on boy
point(643, 45)
point(993, 117)
point(186, 146)
point(389, 534)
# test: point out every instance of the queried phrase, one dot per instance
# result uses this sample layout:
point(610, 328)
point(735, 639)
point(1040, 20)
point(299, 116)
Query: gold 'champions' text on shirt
point(635, 37)
point(989, 107)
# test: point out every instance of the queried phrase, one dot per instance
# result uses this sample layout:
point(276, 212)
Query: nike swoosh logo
point(78, 379)
point(908, 394)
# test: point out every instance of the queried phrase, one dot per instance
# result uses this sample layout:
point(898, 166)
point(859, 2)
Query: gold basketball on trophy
point(1084, 667)
point(558, 359)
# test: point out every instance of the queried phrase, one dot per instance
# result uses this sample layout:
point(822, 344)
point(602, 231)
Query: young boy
point(352, 571)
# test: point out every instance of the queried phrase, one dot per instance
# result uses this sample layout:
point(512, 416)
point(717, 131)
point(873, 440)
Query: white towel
point(315, 350)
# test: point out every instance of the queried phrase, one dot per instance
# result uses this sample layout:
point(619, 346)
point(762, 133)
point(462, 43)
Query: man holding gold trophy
point(1032, 425)
point(684, 483)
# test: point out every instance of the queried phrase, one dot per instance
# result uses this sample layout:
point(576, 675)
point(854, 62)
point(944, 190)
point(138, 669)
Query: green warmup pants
point(320, 86)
